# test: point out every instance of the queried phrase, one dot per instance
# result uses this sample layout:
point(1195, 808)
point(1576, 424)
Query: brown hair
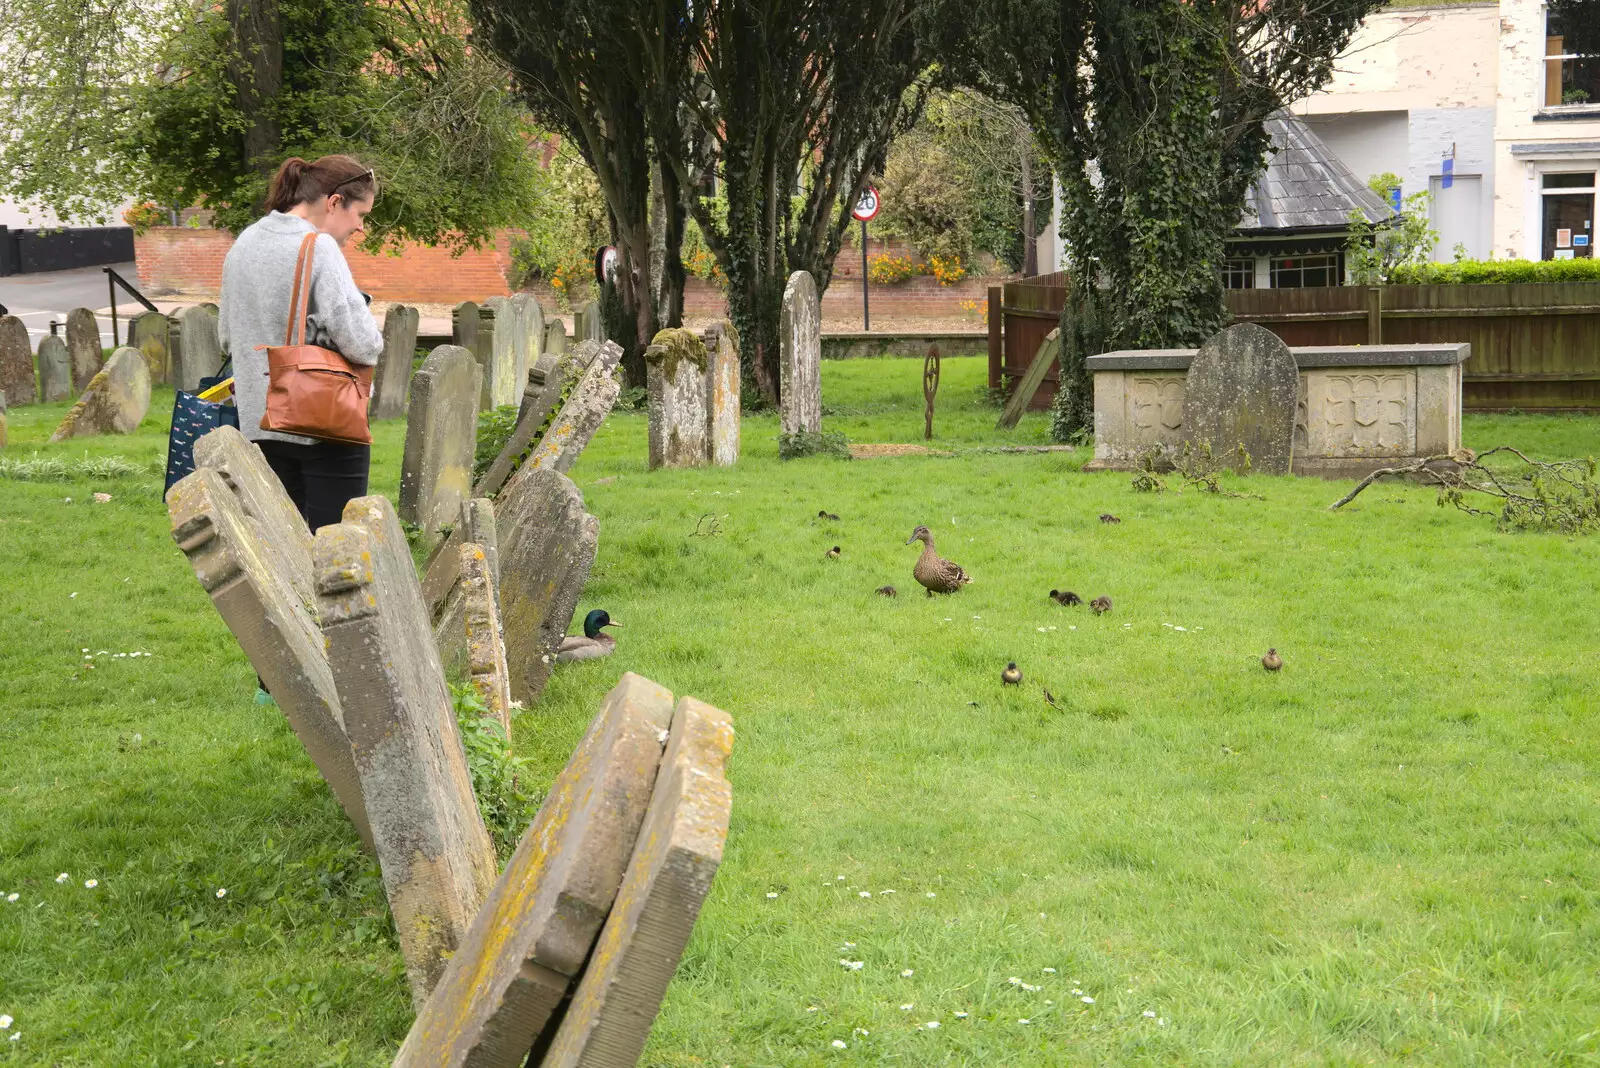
point(299, 182)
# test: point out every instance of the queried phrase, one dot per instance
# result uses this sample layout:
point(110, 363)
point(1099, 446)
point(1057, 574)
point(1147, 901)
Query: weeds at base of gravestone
point(633, 399)
point(501, 781)
point(38, 468)
point(1562, 497)
point(495, 427)
point(805, 443)
point(993, 397)
point(1196, 468)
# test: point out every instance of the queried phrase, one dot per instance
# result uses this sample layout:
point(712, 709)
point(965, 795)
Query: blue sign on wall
point(1580, 240)
point(1448, 169)
point(1394, 198)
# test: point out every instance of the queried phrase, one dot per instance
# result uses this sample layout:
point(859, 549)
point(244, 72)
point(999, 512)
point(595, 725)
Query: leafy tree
point(1374, 254)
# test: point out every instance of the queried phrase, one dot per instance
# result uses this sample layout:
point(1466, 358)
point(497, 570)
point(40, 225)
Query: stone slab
point(538, 401)
point(151, 334)
point(55, 369)
point(587, 406)
point(83, 344)
point(508, 345)
point(468, 634)
point(438, 861)
point(675, 380)
point(1240, 390)
point(722, 393)
point(196, 348)
point(477, 525)
point(555, 338)
point(114, 402)
point(669, 876)
point(1305, 357)
point(232, 558)
point(800, 356)
point(535, 931)
point(441, 435)
point(392, 380)
point(547, 546)
point(16, 362)
point(284, 531)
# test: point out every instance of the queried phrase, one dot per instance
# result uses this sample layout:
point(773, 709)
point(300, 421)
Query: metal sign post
point(866, 208)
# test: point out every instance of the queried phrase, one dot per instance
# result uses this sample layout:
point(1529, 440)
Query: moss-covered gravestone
point(1240, 392)
point(151, 334)
point(675, 364)
point(16, 362)
point(115, 400)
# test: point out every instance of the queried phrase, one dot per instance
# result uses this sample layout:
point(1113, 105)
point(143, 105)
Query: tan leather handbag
point(312, 390)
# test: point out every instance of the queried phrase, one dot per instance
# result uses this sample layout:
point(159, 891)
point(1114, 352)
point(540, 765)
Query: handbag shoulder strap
point(300, 297)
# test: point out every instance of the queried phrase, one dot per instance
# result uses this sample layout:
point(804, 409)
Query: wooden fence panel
point(1029, 310)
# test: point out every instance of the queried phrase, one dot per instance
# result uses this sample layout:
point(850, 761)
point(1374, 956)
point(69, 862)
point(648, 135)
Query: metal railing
point(113, 280)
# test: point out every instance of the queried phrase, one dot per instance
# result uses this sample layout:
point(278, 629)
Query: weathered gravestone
point(16, 362)
point(464, 323)
point(499, 327)
point(441, 437)
point(669, 875)
point(239, 566)
point(1240, 391)
point(83, 344)
point(476, 525)
point(555, 338)
point(469, 637)
point(438, 862)
point(517, 340)
point(547, 546)
point(283, 529)
point(115, 400)
point(587, 406)
point(800, 356)
point(538, 400)
point(588, 324)
point(151, 334)
point(528, 307)
point(393, 377)
point(55, 369)
point(722, 392)
point(196, 351)
point(675, 367)
point(534, 932)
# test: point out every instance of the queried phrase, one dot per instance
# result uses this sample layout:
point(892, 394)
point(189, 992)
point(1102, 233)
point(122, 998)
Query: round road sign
point(867, 207)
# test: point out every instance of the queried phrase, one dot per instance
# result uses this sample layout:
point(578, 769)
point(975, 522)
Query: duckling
point(1065, 597)
point(833, 553)
point(1272, 661)
point(825, 514)
point(1049, 698)
point(593, 644)
point(1012, 675)
point(934, 574)
point(1101, 605)
point(887, 591)
point(1107, 517)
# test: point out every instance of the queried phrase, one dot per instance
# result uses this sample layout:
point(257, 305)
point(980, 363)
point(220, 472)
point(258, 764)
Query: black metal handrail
point(113, 280)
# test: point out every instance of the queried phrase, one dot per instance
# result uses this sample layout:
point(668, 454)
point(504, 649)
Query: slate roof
point(1305, 186)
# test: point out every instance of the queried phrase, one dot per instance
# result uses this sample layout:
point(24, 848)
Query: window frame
point(1554, 71)
point(1336, 269)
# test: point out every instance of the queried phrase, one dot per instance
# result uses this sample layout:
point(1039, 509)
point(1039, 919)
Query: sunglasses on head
point(368, 173)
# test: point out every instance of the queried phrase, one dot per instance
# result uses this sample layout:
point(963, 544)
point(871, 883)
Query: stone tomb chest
point(1360, 407)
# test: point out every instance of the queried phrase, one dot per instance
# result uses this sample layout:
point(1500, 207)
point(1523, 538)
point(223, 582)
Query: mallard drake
point(593, 644)
point(887, 591)
point(1101, 605)
point(1107, 517)
point(934, 574)
point(1066, 597)
point(1012, 675)
point(833, 553)
point(1272, 661)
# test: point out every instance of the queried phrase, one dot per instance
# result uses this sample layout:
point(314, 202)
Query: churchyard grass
point(1386, 853)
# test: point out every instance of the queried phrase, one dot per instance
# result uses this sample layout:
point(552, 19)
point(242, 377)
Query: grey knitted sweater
point(257, 278)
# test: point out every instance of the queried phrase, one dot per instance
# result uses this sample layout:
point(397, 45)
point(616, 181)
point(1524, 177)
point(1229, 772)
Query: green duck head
point(594, 621)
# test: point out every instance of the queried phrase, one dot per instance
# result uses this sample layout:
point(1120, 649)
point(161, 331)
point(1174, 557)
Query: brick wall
point(178, 258)
point(921, 297)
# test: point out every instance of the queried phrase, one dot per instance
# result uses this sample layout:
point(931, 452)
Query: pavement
point(39, 299)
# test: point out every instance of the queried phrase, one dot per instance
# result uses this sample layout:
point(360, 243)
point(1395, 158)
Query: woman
point(331, 197)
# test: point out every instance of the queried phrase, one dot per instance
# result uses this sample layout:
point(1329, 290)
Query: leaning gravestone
point(150, 333)
point(722, 393)
point(1241, 390)
point(233, 557)
point(83, 343)
point(393, 376)
point(438, 862)
point(16, 362)
point(476, 525)
point(800, 356)
point(55, 369)
point(196, 351)
point(283, 528)
point(114, 401)
point(547, 546)
point(468, 634)
point(441, 437)
point(534, 933)
point(587, 406)
point(675, 368)
point(669, 875)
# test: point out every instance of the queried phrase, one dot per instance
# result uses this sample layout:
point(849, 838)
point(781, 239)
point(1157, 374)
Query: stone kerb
point(438, 861)
point(196, 349)
point(151, 334)
point(83, 343)
point(669, 875)
point(676, 364)
point(16, 363)
point(55, 369)
point(800, 356)
point(722, 393)
point(393, 378)
point(547, 546)
point(115, 400)
point(534, 932)
point(232, 556)
point(285, 534)
point(441, 436)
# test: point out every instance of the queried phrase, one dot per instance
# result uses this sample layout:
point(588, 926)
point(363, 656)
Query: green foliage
point(1374, 254)
point(38, 468)
point(925, 199)
point(501, 780)
point(495, 427)
point(1480, 272)
point(565, 227)
point(809, 443)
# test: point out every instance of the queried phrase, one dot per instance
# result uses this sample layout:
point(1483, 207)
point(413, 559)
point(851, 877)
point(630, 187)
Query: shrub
point(807, 443)
point(1479, 272)
point(494, 430)
point(143, 216)
point(886, 270)
point(501, 781)
point(947, 269)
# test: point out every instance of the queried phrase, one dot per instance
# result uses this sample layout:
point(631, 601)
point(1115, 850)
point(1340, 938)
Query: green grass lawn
point(1388, 853)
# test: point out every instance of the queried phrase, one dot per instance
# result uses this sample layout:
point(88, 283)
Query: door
point(1459, 218)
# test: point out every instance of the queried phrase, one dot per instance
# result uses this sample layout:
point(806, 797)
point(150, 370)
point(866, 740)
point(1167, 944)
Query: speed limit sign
point(867, 207)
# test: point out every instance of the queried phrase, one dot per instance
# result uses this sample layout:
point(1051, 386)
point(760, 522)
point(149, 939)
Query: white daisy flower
point(839, 1043)
point(907, 1007)
point(5, 1021)
point(865, 893)
point(222, 892)
point(932, 1025)
point(839, 878)
point(907, 974)
point(12, 897)
point(1015, 980)
point(90, 884)
point(813, 1008)
point(1020, 1021)
point(932, 894)
point(63, 877)
point(1150, 1014)
point(771, 894)
point(1049, 971)
point(958, 1014)
point(1087, 1000)
point(853, 965)
point(891, 891)
point(1162, 1022)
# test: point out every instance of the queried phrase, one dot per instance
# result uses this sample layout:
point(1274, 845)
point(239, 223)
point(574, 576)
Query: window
point(1568, 215)
point(1239, 274)
point(1570, 78)
point(1304, 272)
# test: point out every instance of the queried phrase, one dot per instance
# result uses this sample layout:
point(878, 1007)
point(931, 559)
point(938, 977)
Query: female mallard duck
point(934, 574)
point(593, 644)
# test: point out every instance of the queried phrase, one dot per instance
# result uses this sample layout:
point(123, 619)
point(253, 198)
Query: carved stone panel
point(1155, 408)
point(1362, 413)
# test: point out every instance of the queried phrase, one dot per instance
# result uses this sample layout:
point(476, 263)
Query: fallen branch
point(1410, 469)
point(1563, 496)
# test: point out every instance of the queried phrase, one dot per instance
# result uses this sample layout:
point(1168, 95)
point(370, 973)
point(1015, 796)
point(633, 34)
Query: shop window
point(1239, 274)
point(1568, 215)
point(1305, 272)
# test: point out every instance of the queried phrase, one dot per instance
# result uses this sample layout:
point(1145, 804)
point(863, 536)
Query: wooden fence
point(1535, 346)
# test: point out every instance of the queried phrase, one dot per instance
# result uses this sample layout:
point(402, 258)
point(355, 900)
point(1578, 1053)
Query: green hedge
point(1476, 272)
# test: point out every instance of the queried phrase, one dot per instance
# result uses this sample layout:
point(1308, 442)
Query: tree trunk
point(256, 72)
point(670, 276)
point(1030, 235)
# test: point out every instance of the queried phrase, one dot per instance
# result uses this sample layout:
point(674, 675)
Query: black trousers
point(321, 478)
